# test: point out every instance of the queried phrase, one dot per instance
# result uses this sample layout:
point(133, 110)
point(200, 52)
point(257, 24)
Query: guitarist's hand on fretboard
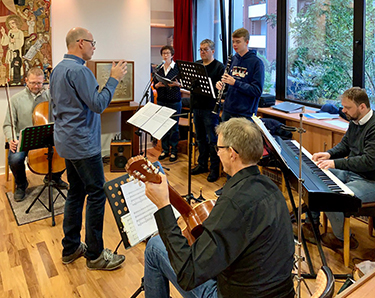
point(158, 193)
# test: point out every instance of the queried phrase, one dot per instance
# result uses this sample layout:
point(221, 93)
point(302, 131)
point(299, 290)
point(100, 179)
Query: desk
point(127, 130)
point(320, 135)
point(364, 287)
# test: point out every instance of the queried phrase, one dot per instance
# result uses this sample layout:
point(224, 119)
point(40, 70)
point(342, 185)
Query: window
point(320, 56)
point(370, 51)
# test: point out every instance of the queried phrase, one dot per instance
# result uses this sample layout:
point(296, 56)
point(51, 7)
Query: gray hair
point(244, 137)
point(210, 43)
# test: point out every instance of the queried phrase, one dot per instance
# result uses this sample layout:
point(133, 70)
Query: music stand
point(194, 78)
point(119, 208)
point(37, 137)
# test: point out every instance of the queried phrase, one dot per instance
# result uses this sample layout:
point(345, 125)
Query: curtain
point(183, 30)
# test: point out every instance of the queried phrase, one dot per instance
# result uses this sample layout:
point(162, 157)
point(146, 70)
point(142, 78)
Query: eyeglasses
point(93, 42)
point(35, 83)
point(166, 53)
point(204, 50)
point(224, 147)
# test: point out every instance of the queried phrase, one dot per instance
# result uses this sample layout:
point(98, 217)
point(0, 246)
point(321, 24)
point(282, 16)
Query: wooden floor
point(30, 255)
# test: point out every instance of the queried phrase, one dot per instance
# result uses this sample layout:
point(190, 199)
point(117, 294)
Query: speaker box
point(120, 153)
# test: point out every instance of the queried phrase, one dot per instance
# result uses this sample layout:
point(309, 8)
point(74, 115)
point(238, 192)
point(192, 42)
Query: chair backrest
point(324, 283)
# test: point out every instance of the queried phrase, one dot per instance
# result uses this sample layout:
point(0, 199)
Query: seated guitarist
point(246, 247)
point(352, 160)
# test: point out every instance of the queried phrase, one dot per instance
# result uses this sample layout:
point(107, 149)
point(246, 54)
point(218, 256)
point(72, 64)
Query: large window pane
point(259, 18)
point(208, 25)
point(320, 46)
point(370, 50)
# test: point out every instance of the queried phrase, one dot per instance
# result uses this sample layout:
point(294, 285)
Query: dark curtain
point(183, 30)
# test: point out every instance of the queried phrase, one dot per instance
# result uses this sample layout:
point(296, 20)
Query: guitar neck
point(179, 202)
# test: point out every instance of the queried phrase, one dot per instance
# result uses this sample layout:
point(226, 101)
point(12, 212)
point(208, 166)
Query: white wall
point(122, 31)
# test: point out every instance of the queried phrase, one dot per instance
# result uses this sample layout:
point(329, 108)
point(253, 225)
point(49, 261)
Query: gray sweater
point(358, 145)
point(23, 104)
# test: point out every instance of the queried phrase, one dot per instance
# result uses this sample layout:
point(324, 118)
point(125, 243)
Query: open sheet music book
point(139, 223)
point(154, 119)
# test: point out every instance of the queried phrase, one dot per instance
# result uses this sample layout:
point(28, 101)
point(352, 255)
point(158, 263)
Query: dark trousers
point(171, 138)
point(86, 177)
point(17, 165)
point(205, 122)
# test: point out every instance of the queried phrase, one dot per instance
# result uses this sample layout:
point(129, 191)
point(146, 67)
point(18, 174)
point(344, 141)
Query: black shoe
point(81, 250)
point(163, 155)
point(60, 184)
point(20, 192)
point(213, 176)
point(173, 157)
point(199, 170)
point(219, 192)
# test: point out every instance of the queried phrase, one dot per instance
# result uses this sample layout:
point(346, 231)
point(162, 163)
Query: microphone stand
point(299, 256)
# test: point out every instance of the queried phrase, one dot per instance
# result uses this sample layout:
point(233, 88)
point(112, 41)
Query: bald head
point(75, 34)
point(80, 42)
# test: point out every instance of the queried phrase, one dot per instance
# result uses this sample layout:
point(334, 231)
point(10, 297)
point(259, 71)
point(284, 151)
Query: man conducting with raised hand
point(77, 105)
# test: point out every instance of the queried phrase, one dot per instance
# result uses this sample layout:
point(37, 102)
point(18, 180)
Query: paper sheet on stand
point(139, 119)
point(141, 209)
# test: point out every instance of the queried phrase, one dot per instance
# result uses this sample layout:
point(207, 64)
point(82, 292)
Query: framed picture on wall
point(125, 89)
point(25, 39)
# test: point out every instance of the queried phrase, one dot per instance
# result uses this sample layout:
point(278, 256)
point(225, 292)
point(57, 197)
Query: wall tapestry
point(25, 39)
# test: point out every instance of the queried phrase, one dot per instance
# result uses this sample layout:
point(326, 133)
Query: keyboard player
point(352, 160)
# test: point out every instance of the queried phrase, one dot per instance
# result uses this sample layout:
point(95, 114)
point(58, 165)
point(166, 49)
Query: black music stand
point(119, 208)
point(37, 137)
point(194, 78)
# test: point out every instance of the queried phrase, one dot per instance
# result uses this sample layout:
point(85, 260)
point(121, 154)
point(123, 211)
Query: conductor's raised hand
point(119, 70)
point(158, 193)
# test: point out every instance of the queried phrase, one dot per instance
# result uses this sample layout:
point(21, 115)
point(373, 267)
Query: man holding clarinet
point(244, 81)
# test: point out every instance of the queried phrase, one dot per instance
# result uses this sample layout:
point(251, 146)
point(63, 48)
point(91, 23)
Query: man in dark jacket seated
point(246, 247)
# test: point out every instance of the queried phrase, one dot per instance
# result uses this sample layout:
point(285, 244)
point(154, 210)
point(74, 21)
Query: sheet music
point(138, 119)
point(141, 210)
point(129, 229)
point(167, 125)
point(154, 119)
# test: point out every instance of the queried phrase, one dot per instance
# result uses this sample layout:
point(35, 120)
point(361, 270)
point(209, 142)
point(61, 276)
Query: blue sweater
point(243, 97)
point(77, 105)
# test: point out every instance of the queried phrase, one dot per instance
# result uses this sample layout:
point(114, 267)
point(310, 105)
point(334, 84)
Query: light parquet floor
point(30, 255)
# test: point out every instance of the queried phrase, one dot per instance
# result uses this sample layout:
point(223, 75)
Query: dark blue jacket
point(243, 97)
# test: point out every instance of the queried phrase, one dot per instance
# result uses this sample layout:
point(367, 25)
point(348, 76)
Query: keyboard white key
point(345, 189)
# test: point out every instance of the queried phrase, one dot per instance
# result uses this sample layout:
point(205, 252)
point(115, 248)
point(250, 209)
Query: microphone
point(159, 66)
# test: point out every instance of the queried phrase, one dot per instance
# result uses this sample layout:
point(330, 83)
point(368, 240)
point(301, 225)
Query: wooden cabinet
point(319, 136)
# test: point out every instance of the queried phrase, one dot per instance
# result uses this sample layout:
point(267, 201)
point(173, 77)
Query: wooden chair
point(7, 167)
point(325, 283)
point(367, 209)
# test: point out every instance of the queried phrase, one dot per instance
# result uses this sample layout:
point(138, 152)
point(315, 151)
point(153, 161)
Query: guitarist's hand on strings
point(158, 193)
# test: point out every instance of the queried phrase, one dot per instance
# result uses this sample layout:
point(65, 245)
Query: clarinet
point(221, 91)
